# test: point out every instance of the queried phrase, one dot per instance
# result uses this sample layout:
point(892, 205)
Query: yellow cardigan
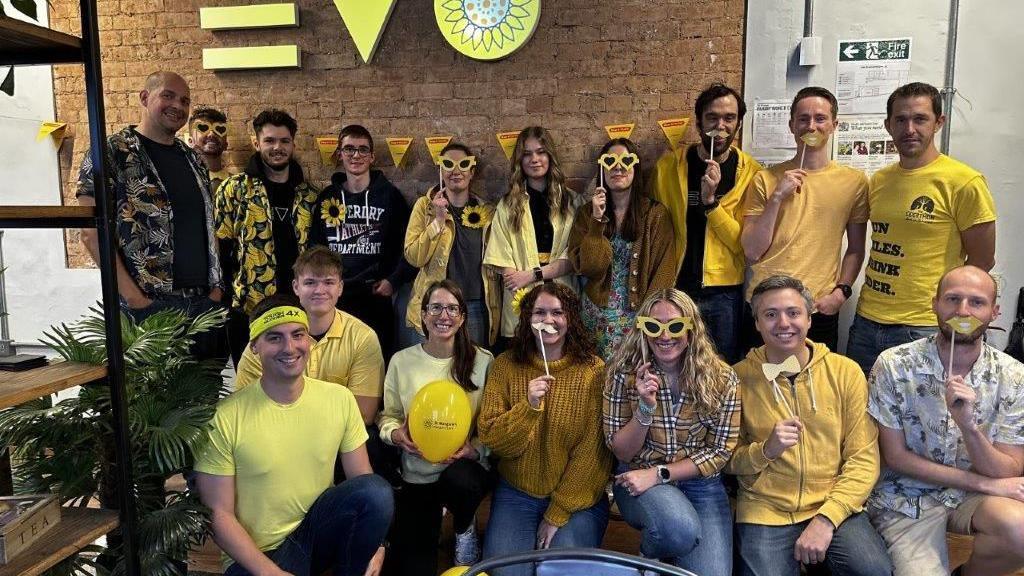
point(508, 248)
point(724, 264)
point(428, 247)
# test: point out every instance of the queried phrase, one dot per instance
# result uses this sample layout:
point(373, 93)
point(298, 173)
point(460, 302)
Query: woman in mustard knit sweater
point(672, 418)
point(546, 430)
point(622, 243)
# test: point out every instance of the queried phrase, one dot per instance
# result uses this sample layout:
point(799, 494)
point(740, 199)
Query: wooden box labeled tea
point(23, 519)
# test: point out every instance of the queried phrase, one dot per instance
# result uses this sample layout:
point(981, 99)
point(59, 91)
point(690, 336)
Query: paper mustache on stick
point(812, 139)
point(712, 134)
point(541, 328)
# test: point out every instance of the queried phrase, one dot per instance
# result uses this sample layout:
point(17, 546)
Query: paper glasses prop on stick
point(772, 371)
point(609, 161)
point(450, 164)
point(541, 328)
point(812, 139)
point(439, 419)
point(654, 328)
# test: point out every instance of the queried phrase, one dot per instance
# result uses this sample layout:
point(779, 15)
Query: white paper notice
point(868, 71)
point(862, 142)
point(771, 125)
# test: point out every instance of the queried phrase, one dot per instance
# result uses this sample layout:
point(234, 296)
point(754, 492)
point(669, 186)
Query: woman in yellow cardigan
point(530, 232)
point(546, 430)
point(459, 483)
point(622, 243)
point(447, 238)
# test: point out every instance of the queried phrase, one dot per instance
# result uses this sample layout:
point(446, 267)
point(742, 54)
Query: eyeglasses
point(675, 327)
point(454, 310)
point(463, 165)
point(350, 151)
point(204, 127)
point(626, 160)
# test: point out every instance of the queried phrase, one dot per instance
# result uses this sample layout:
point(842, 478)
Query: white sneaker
point(467, 546)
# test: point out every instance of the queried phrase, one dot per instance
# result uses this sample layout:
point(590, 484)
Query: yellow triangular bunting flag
point(327, 145)
point(435, 144)
point(53, 129)
point(674, 129)
point(619, 130)
point(365, 21)
point(398, 146)
point(508, 142)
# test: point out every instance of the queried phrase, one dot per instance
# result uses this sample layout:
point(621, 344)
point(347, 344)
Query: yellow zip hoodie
point(833, 467)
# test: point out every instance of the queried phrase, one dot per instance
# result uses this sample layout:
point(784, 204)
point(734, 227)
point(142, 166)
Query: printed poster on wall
point(868, 71)
point(862, 143)
point(771, 141)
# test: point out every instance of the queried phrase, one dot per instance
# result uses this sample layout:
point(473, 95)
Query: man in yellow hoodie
point(808, 452)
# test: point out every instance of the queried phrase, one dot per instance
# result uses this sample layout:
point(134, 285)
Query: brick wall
point(590, 63)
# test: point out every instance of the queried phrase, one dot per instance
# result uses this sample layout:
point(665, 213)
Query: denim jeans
point(687, 524)
point(515, 516)
point(868, 339)
point(210, 344)
point(722, 312)
point(856, 549)
point(341, 531)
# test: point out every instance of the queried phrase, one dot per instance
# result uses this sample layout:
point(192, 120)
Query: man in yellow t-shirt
point(929, 214)
point(268, 470)
point(797, 213)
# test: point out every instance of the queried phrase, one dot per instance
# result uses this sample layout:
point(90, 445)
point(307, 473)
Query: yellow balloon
point(459, 571)
point(440, 419)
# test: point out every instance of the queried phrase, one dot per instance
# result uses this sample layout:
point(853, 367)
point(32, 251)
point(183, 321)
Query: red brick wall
point(590, 63)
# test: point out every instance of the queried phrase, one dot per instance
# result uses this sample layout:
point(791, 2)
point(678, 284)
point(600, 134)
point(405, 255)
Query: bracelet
point(641, 407)
point(710, 207)
point(538, 274)
point(647, 422)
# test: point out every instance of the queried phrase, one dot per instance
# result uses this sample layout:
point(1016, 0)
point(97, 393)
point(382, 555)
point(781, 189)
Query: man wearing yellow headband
point(267, 473)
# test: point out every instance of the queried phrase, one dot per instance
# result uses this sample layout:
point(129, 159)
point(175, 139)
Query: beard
point(959, 338)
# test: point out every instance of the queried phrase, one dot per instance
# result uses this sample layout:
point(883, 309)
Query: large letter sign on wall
point(487, 29)
point(365, 20)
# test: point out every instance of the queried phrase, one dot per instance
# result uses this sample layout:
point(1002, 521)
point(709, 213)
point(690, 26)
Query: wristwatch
point(538, 274)
point(663, 473)
point(845, 289)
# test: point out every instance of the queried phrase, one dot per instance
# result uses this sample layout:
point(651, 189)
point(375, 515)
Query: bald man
point(167, 256)
point(950, 412)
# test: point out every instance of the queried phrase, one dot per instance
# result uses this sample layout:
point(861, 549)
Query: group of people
point(602, 340)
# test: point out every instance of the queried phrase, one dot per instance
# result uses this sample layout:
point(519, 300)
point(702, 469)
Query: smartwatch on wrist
point(664, 476)
point(845, 289)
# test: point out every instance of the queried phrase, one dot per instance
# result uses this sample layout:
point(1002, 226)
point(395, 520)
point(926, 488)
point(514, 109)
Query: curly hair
point(579, 344)
point(464, 352)
point(561, 198)
point(704, 374)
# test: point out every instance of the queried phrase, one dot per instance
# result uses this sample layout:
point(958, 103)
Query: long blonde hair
point(560, 197)
point(704, 374)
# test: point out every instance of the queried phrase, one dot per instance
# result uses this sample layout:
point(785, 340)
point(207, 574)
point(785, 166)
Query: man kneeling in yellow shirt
point(808, 452)
point(268, 470)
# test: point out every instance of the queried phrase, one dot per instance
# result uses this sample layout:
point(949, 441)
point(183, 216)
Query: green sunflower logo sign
point(487, 29)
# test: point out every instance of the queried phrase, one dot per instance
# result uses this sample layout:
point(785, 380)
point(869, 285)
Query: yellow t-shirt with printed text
point(916, 220)
point(281, 455)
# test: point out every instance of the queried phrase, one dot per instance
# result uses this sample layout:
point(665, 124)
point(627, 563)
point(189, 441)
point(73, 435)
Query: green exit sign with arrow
point(862, 50)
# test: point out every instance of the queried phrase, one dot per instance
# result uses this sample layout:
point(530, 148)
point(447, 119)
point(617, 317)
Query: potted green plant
point(67, 447)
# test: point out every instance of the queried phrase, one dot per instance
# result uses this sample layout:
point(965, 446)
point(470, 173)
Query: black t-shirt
point(540, 213)
point(691, 274)
point(286, 245)
point(189, 213)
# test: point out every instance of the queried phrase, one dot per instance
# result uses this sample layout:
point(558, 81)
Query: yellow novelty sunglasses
point(675, 327)
point(203, 127)
point(627, 160)
point(463, 165)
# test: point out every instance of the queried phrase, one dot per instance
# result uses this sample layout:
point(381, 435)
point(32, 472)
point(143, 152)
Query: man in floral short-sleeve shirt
point(951, 438)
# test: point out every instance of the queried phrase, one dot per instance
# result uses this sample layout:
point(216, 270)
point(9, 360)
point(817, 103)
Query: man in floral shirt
point(951, 437)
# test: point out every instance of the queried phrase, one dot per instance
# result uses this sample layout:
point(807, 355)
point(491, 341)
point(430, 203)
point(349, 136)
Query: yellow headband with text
point(275, 317)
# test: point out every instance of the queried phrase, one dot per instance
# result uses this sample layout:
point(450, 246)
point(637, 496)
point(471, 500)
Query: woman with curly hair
point(446, 239)
point(540, 415)
point(530, 232)
point(672, 419)
point(622, 243)
point(460, 482)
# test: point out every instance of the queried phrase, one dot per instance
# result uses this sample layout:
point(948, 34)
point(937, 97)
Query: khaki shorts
point(917, 546)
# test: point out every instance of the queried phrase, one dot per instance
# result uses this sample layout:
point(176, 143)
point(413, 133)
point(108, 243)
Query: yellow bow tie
point(772, 371)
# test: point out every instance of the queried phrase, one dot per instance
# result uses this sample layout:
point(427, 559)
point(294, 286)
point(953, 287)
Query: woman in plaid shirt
point(672, 418)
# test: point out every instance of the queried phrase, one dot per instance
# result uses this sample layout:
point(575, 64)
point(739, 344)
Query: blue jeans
point(868, 339)
point(515, 516)
point(722, 313)
point(856, 549)
point(687, 524)
point(210, 344)
point(341, 532)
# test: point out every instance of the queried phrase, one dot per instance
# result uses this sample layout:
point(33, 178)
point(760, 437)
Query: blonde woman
point(530, 232)
point(672, 419)
point(446, 240)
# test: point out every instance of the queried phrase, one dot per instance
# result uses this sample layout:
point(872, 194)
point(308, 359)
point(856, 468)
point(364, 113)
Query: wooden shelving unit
point(78, 528)
point(23, 43)
point(19, 387)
